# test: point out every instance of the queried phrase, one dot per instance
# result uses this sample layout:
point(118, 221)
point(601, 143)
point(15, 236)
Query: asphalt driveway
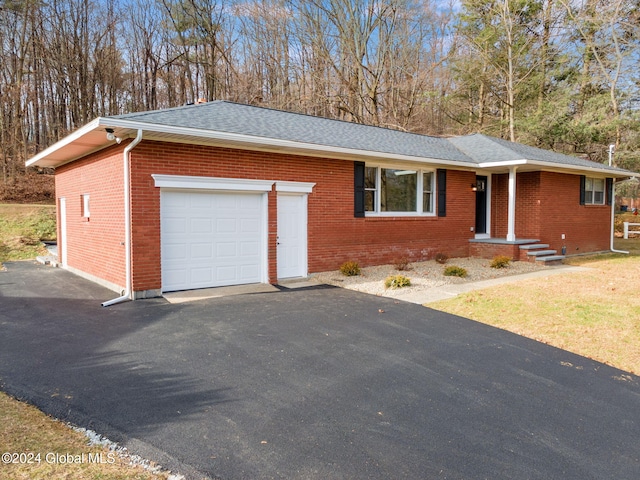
point(318, 383)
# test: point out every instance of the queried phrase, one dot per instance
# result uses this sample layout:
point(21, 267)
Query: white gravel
point(95, 439)
point(423, 275)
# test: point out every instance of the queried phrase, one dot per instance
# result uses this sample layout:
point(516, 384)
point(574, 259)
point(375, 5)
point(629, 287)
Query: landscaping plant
point(397, 281)
point(501, 261)
point(455, 271)
point(402, 264)
point(350, 269)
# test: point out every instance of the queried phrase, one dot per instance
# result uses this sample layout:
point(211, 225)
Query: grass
point(22, 228)
point(595, 313)
point(48, 443)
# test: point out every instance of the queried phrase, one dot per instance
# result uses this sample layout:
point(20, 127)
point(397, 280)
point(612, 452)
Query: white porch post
point(511, 226)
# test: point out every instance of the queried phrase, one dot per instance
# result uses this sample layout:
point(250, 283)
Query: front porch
point(525, 249)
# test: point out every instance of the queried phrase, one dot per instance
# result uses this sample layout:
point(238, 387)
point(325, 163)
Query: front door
point(292, 235)
point(481, 205)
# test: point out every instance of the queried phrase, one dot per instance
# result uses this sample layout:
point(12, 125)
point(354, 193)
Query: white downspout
point(613, 216)
point(127, 223)
point(511, 223)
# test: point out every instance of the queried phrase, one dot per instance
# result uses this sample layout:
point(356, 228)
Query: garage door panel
point(227, 201)
point(201, 276)
point(248, 271)
point(249, 225)
point(175, 252)
point(227, 274)
point(202, 251)
point(201, 225)
point(175, 201)
point(226, 249)
point(227, 225)
point(250, 202)
point(249, 249)
point(179, 276)
point(211, 239)
point(201, 201)
point(173, 225)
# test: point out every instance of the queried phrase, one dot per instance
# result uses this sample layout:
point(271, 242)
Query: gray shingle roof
point(241, 119)
point(259, 122)
point(485, 149)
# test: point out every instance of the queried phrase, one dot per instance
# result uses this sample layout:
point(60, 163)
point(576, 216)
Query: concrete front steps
point(52, 258)
point(540, 253)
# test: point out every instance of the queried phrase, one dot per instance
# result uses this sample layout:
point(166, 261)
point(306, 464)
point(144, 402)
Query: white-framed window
point(594, 191)
point(399, 191)
point(84, 200)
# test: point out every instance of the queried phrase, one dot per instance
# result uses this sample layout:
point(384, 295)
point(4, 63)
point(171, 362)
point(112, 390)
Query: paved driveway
point(313, 384)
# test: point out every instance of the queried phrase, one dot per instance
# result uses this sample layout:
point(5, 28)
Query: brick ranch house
point(220, 194)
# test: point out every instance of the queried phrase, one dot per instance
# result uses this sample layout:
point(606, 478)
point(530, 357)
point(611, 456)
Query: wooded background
point(558, 74)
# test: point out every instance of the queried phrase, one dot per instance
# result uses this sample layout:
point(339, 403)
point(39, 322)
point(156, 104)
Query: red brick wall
point(492, 250)
point(527, 207)
point(94, 245)
point(587, 227)
point(547, 206)
point(335, 236)
point(499, 205)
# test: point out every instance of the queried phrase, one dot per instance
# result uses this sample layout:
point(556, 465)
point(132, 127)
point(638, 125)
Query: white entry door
point(62, 243)
point(292, 235)
point(211, 239)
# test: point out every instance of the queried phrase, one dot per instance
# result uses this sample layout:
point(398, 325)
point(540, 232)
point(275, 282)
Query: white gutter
point(613, 216)
point(127, 223)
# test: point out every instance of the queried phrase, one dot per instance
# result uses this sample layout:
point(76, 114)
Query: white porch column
point(511, 226)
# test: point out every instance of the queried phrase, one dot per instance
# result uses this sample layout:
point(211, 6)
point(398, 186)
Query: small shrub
point(455, 271)
point(350, 269)
point(501, 261)
point(402, 264)
point(397, 281)
point(441, 258)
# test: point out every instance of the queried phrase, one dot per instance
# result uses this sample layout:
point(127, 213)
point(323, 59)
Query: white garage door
point(211, 239)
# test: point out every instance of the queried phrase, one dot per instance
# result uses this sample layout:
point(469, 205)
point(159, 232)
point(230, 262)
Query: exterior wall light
point(478, 186)
point(111, 136)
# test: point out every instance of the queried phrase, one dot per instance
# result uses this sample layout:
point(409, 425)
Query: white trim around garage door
point(294, 187)
point(212, 183)
point(177, 183)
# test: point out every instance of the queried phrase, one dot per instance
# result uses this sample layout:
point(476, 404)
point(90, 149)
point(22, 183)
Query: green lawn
point(22, 228)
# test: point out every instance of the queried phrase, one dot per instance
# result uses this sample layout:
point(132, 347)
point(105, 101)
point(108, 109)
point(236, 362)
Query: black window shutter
point(442, 192)
point(609, 191)
point(358, 184)
point(583, 180)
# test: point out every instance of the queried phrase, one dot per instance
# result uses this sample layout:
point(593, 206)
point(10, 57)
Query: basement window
point(85, 205)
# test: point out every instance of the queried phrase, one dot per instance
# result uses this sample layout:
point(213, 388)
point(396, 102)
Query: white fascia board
point(508, 163)
point(561, 166)
point(278, 144)
point(69, 139)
